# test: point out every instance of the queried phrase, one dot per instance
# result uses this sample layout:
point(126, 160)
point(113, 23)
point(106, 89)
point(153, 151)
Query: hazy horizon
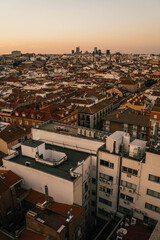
point(54, 27)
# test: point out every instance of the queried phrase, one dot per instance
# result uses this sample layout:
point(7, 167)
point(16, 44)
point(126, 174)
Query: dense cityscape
point(80, 146)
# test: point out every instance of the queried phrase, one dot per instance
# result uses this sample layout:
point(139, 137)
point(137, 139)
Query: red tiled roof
point(13, 132)
point(29, 235)
point(35, 197)
point(60, 208)
point(10, 178)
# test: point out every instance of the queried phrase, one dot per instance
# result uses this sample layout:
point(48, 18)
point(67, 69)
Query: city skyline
point(58, 27)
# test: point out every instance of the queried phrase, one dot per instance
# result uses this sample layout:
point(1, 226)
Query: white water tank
point(126, 142)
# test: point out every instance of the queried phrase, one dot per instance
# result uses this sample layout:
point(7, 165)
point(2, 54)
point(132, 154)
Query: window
point(134, 128)
point(126, 197)
point(107, 164)
point(88, 119)
point(93, 181)
point(152, 207)
point(105, 189)
point(128, 184)
point(93, 192)
point(105, 201)
point(20, 122)
point(153, 193)
point(92, 214)
point(130, 171)
point(103, 212)
point(93, 203)
point(154, 178)
point(106, 177)
point(26, 122)
point(86, 187)
point(102, 188)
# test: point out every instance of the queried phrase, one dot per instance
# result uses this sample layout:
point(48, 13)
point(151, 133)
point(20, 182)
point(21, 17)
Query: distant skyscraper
point(99, 52)
point(107, 52)
point(77, 49)
point(72, 51)
point(95, 50)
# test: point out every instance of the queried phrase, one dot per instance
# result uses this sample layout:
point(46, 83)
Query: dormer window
point(23, 114)
point(32, 115)
point(38, 117)
point(16, 113)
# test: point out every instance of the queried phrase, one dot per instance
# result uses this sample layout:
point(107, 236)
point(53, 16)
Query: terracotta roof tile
point(10, 178)
point(60, 208)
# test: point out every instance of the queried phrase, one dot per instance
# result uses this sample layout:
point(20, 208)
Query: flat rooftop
point(138, 142)
point(59, 128)
point(32, 143)
point(139, 231)
point(62, 170)
point(50, 218)
point(67, 129)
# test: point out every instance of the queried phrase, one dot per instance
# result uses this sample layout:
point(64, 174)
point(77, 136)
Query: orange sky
point(53, 26)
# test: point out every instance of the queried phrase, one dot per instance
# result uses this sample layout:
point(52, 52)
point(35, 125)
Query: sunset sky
point(58, 26)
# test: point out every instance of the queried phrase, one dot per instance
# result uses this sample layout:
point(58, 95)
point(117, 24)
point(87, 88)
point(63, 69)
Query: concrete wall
point(152, 166)
point(29, 151)
point(80, 144)
point(60, 189)
point(111, 172)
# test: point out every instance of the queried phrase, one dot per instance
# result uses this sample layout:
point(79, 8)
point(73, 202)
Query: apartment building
point(155, 120)
point(136, 123)
point(57, 155)
point(11, 214)
point(12, 135)
point(128, 179)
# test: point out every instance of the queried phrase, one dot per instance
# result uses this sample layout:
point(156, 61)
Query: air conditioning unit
point(122, 188)
point(107, 194)
point(131, 190)
point(138, 211)
point(126, 202)
point(100, 179)
point(133, 221)
point(109, 183)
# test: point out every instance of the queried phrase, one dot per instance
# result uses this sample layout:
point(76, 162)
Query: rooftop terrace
point(67, 129)
point(62, 170)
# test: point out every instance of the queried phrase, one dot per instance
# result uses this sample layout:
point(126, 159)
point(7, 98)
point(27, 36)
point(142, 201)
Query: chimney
point(70, 215)
point(46, 194)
